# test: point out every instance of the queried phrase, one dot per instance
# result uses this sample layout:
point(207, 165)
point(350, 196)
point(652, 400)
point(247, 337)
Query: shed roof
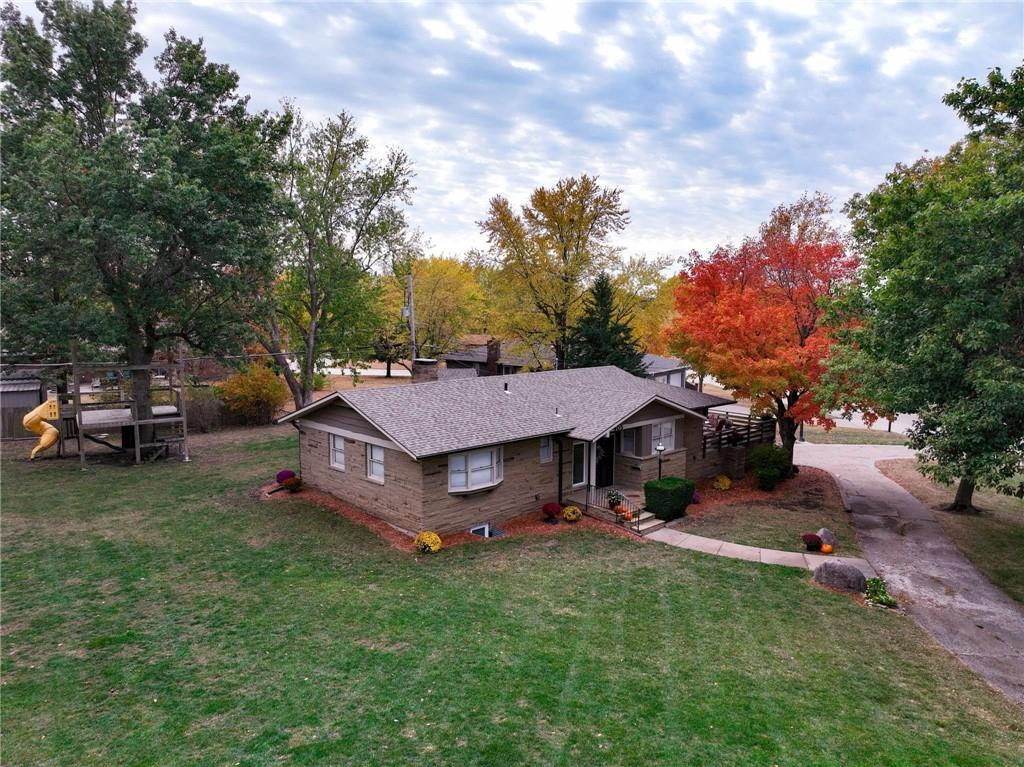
point(448, 416)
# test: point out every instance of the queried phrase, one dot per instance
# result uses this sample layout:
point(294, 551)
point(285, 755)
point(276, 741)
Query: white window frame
point(658, 434)
point(547, 449)
point(572, 475)
point(372, 451)
point(461, 464)
point(336, 447)
point(485, 527)
point(631, 452)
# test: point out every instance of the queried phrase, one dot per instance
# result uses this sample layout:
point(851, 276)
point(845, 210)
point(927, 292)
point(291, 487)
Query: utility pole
point(410, 307)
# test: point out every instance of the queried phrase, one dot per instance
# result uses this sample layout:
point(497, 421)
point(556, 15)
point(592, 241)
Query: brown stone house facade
point(454, 455)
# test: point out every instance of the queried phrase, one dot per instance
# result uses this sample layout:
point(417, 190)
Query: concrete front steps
point(648, 523)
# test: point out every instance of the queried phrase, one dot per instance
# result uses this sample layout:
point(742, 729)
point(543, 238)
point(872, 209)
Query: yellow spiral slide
point(35, 422)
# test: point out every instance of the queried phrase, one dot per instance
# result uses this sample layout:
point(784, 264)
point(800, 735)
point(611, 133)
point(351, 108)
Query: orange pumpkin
point(826, 548)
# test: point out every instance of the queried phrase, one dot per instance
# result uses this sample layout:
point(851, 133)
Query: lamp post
point(659, 449)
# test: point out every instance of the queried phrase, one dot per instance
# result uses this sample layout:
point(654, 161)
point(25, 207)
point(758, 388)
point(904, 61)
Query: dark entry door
point(605, 468)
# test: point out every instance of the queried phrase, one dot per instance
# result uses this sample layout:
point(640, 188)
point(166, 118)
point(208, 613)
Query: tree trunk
point(387, 363)
point(140, 354)
point(964, 496)
point(273, 346)
point(787, 433)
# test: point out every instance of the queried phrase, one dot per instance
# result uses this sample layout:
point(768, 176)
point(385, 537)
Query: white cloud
point(761, 56)
point(968, 36)
point(438, 29)
point(529, 66)
point(550, 19)
point(683, 47)
point(899, 58)
point(824, 64)
point(439, 72)
point(610, 54)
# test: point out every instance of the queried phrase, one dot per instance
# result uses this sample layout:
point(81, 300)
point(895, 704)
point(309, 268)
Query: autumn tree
point(343, 222)
point(447, 298)
point(134, 212)
point(602, 336)
point(936, 325)
point(751, 315)
point(549, 252)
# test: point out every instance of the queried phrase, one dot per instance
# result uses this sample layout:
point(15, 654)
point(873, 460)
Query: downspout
point(561, 472)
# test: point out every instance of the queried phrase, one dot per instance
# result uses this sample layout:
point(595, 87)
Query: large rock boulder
point(840, 575)
point(827, 536)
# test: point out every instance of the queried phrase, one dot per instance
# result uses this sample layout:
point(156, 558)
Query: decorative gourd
point(826, 548)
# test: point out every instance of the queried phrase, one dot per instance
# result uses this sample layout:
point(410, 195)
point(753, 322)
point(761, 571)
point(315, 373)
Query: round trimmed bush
point(572, 514)
point(770, 465)
point(428, 542)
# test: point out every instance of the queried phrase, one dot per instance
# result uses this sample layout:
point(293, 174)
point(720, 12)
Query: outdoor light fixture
point(659, 449)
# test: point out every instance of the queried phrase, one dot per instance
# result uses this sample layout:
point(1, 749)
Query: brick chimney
point(424, 369)
point(493, 356)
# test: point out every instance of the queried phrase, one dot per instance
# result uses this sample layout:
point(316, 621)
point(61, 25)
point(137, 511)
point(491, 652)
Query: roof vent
point(556, 412)
point(506, 387)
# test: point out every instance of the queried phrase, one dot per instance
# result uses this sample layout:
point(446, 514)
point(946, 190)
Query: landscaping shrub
point(255, 394)
point(551, 510)
point(572, 514)
point(812, 541)
point(204, 409)
point(668, 498)
point(878, 594)
point(428, 542)
point(770, 464)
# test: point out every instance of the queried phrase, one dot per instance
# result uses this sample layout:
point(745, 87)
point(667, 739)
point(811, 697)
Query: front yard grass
point(993, 539)
point(163, 615)
point(849, 435)
point(775, 520)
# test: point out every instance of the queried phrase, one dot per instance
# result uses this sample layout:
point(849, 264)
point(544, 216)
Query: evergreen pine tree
point(602, 336)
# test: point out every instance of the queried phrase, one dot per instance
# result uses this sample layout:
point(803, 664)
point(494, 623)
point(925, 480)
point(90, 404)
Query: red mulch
point(745, 490)
point(527, 524)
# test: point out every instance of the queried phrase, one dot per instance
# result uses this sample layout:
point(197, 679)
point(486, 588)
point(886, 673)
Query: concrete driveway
point(926, 572)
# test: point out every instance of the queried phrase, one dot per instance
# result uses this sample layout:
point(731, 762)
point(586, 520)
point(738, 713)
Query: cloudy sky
point(707, 116)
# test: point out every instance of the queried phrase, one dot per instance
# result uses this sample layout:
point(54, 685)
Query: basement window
point(486, 531)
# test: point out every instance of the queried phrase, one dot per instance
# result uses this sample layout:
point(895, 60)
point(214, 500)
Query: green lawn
point(161, 615)
point(778, 524)
point(849, 435)
point(993, 539)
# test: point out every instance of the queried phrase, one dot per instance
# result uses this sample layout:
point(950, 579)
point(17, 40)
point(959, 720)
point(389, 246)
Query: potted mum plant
point(615, 499)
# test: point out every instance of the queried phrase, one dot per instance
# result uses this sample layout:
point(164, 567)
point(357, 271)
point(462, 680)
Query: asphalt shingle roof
point(448, 416)
point(655, 363)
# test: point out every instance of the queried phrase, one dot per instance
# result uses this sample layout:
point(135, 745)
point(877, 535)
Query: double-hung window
point(545, 450)
point(627, 444)
point(664, 433)
point(375, 463)
point(337, 452)
point(474, 470)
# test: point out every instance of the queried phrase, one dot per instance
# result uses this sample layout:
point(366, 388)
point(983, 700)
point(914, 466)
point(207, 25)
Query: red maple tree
point(752, 317)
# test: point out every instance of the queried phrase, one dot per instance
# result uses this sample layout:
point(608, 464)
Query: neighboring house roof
point(448, 374)
point(654, 364)
point(20, 380)
point(480, 355)
point(449, 416)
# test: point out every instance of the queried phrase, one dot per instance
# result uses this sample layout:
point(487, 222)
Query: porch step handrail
point(626, 512)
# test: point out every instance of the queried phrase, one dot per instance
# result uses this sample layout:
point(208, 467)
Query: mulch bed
point(532, 523)
point(745, 490)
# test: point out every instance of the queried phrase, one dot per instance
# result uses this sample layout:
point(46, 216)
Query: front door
point(605, 468)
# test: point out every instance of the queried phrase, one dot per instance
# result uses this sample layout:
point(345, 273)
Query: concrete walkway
point(752, 553)
point(937, 585)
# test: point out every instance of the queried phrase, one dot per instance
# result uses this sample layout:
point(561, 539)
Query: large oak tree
point(938, 319)
point(135, 212)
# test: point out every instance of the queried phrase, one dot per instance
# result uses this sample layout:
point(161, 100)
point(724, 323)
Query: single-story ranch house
point(458, 454)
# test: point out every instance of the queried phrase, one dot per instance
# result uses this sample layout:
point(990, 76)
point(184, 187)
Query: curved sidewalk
point(939, 587)
point(752, 553)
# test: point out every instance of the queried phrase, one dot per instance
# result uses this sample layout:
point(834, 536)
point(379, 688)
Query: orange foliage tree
point(752, 315)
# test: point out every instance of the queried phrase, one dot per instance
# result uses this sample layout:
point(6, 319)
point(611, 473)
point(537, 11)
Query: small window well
point(486, 531)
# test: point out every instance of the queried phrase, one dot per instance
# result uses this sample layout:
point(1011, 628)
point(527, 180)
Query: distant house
point(494, 357)
point(665, 369)
point(459, 454)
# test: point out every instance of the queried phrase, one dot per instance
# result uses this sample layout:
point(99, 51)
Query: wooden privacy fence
point(733, 429)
